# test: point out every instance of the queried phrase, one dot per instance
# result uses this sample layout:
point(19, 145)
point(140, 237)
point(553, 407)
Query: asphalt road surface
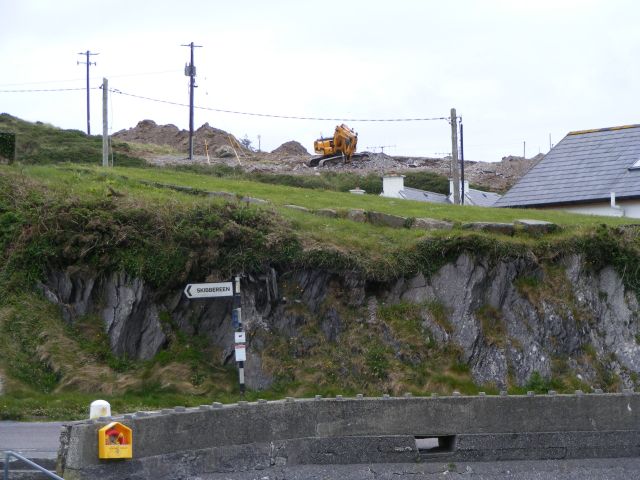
point(31, 439)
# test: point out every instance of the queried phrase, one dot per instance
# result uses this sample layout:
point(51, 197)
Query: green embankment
point(63, 214)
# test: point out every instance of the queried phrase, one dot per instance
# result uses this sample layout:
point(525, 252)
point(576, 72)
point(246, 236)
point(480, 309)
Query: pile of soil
point(290, 148)
point(292, 157)
point(219, 143)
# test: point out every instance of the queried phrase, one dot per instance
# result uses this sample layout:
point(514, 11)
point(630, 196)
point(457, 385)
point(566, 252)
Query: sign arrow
point(209, 290)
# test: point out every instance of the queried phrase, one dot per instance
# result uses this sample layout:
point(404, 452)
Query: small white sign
point(241, 353)
point(240, 346)
point(208, 290)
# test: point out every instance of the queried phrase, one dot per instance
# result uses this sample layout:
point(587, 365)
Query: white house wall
point(629, 208)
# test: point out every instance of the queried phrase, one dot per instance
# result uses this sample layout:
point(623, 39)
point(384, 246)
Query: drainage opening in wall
point(429, 445)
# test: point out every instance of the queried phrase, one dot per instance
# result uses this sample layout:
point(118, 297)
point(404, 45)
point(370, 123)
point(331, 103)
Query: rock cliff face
point(509, 318)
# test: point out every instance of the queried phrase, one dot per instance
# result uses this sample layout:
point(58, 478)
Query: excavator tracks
point(335, 160)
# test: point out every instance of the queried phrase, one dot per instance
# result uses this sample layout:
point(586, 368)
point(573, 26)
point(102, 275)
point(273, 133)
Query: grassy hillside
point(57, 215)
point(39, 143)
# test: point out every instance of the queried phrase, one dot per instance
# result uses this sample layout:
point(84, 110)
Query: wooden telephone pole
point(455, 173)
point(190, 71)
point(88, 63)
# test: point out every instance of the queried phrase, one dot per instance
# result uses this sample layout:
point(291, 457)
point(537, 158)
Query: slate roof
point(422, 196)
point(472, 196)
point(585, 166)
point(480, 198)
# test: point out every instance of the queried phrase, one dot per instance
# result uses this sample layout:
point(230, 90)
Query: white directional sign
point(240, 346)
point(206, 290)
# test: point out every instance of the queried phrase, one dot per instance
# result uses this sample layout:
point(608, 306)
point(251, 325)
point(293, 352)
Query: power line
point(47, 90)
point(43, 82)
point(69, 80)
point(289, 117)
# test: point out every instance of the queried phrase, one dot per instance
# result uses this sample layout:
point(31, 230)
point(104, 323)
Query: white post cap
point(99, 408)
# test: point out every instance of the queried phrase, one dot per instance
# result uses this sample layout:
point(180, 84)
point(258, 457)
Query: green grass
point(54, 216)
point(314, 199)
point(39, 143)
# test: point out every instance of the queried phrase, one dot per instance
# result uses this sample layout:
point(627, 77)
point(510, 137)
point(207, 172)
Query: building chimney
point(392, 185)
point(466, 189)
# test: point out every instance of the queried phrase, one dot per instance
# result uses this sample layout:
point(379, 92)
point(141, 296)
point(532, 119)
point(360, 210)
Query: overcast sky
point(516, 71)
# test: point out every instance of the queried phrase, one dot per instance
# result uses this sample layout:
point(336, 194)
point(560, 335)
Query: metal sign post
point(226, 289)
point(240, 335)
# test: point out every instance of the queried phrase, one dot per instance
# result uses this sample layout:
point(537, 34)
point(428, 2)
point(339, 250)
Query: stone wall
point(245, 436)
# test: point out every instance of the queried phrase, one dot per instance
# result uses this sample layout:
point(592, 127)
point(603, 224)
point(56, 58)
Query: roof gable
point(585, 166)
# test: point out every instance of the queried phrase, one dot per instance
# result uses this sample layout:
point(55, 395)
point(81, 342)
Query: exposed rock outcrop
point(509, 318)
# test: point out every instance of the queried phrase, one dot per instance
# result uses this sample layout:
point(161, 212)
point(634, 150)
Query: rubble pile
point(293, 157)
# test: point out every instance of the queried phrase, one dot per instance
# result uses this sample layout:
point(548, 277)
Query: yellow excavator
point(340, 147)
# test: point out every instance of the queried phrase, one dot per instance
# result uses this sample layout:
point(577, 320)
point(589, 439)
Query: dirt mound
point(219, 142)
point(290, 148)
point(292, 157)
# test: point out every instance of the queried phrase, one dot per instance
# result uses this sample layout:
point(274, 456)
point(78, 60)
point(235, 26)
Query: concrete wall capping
point(482, 394)
point(531, 393)
point(579, 392)
point(318, 397)
point(216, 405)
point(552, 392)
point(359, 396)
point(262, 400)
point(456, 393)
point(339, 397)
point(597, 391)
point(289, 399)
point(179, 409)
point(504, 393)
point(408, 395)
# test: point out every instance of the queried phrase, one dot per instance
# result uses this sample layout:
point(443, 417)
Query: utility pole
point(524, 149)
point(105, 123)
point(454, 157)
point(461, 162)
point(88, 63)
point(259, 143)
point(190, 71)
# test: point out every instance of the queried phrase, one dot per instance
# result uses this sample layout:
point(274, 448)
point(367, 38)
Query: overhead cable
point(290, 117)
point(47, 90)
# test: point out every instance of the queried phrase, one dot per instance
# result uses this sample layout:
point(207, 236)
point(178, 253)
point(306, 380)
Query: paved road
point(32, 439)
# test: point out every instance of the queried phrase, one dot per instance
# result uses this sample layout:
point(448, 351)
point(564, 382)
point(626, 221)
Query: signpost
point(226, 289)
point(208, 290)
